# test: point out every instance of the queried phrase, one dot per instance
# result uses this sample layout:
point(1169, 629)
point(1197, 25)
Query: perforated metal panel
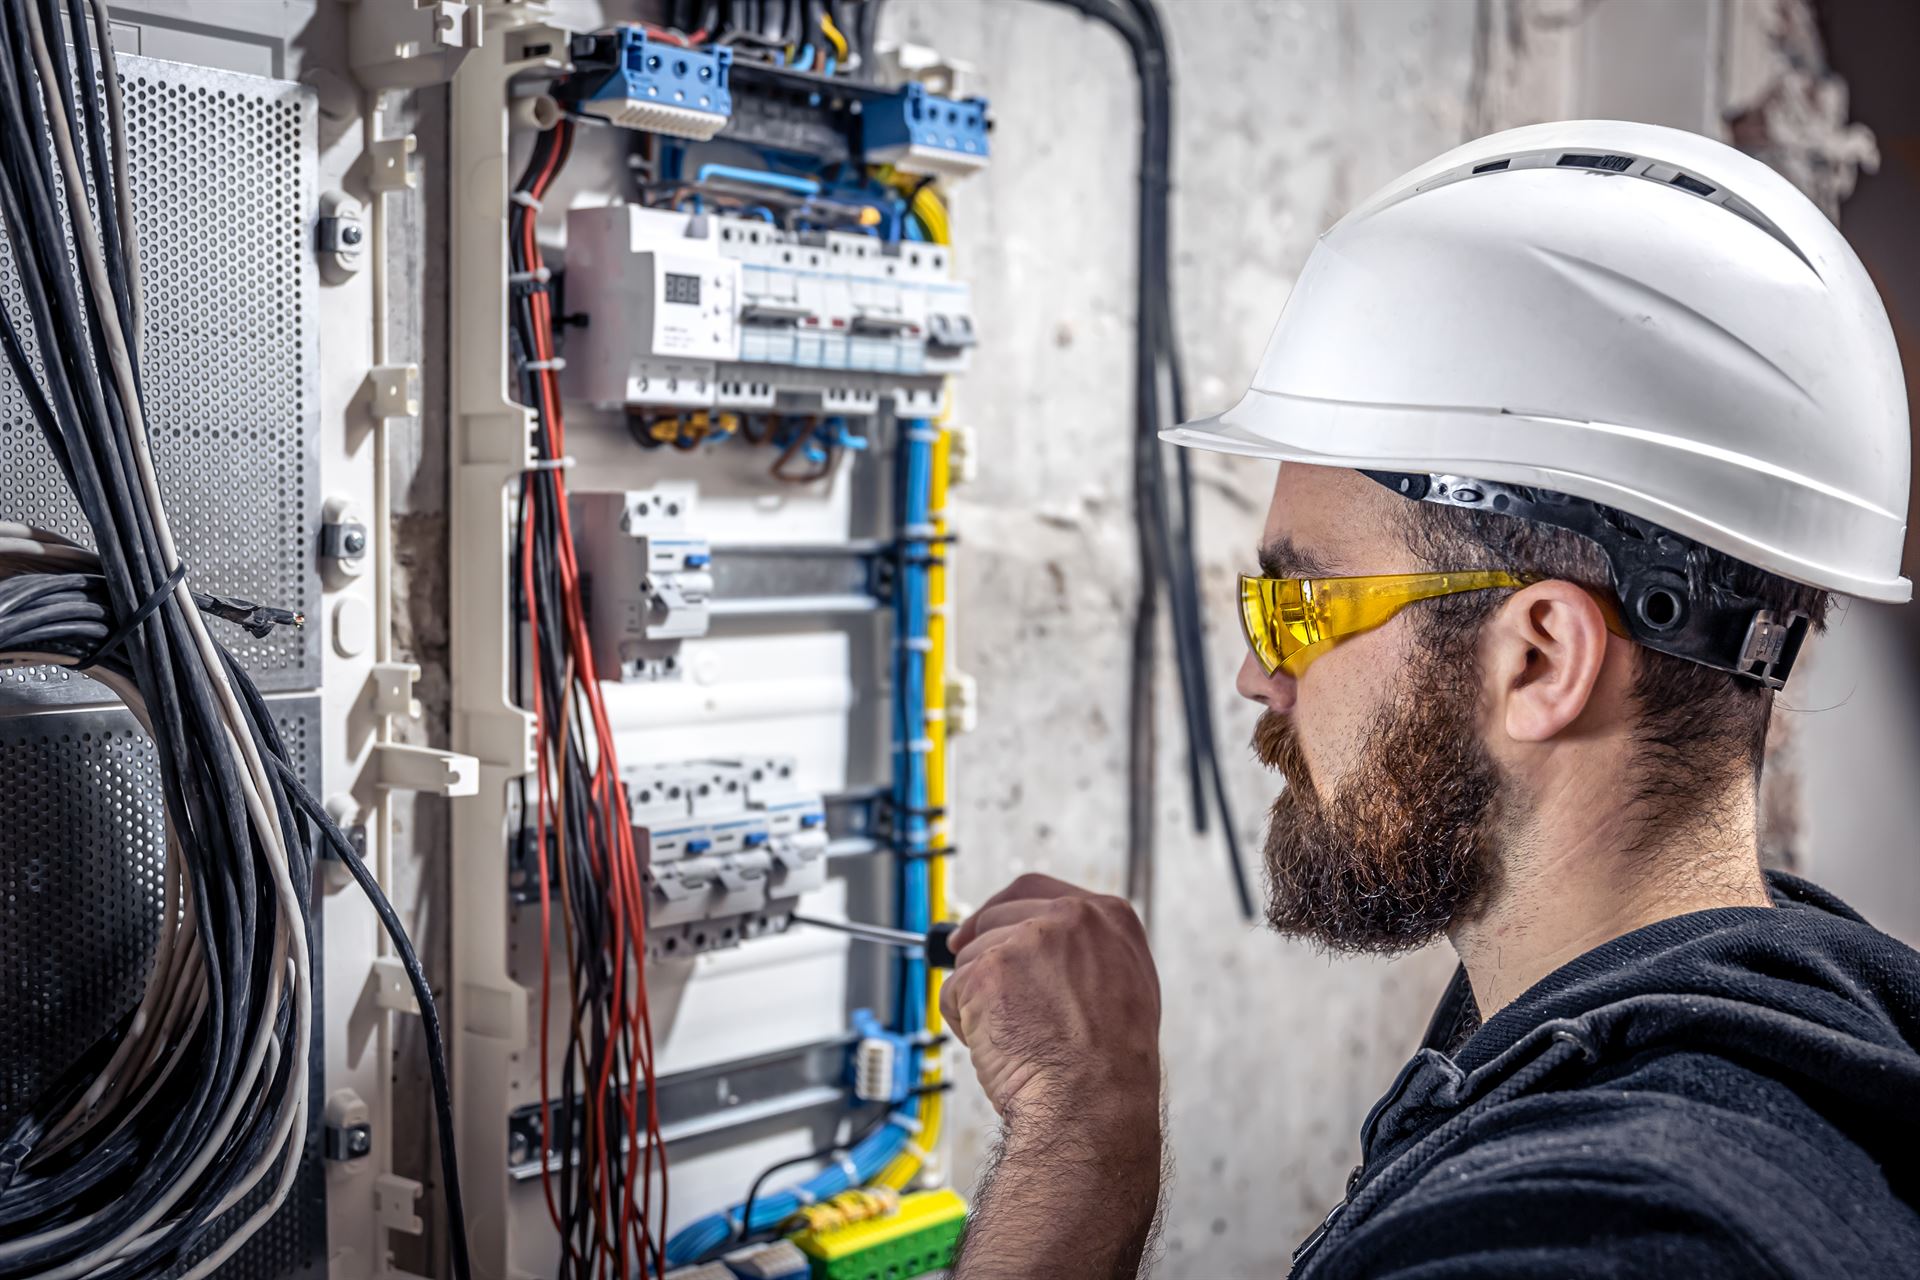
point(222, 169)
point(81, 832)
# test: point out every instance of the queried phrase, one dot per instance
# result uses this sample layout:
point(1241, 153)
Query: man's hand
point(1055, 996)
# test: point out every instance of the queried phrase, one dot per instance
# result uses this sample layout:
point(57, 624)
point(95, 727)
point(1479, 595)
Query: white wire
point(291, 963)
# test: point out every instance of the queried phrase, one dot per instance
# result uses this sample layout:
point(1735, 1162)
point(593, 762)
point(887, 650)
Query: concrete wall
point(1286, 114)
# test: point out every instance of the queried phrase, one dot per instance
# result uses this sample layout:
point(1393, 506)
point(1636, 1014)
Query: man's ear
point(1542, 653)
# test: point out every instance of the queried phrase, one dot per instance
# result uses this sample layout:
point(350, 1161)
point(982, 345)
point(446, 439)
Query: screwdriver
point(933, 941)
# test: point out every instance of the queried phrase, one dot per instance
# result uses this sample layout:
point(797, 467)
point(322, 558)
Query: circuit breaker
point(708, 311)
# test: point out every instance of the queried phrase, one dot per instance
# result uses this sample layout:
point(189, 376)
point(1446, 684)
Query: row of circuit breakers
point(729, 847)
point(697, 311)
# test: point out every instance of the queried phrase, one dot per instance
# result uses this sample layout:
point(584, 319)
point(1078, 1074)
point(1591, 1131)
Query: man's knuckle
point(1028, 884)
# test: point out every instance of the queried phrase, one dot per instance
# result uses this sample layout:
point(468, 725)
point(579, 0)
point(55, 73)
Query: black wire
point(106, 1179)
point(746, 1232)
point(1164, 525)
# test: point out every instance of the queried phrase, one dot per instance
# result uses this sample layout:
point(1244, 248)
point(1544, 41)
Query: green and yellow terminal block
point(917, 1238)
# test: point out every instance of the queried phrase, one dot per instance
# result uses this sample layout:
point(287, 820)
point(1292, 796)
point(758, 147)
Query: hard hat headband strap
point(1663, 601)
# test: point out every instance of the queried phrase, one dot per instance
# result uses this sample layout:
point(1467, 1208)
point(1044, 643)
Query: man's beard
point(1386, 862)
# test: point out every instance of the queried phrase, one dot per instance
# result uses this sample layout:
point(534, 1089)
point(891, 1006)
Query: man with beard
point(1581, 426)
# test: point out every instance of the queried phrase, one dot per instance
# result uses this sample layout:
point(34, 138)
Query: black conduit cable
point(1165, 532)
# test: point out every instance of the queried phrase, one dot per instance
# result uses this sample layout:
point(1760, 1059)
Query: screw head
point(353, 542)
point(350, 233)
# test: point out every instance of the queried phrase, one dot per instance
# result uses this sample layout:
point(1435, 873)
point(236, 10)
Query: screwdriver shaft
point(871, 932)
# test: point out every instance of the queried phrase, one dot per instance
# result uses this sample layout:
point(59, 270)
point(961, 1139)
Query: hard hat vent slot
point(1613, 164)
point(1694, 185)
point(1492, 166)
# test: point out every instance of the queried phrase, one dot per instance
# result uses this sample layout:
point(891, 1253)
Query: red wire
point(630, 1024)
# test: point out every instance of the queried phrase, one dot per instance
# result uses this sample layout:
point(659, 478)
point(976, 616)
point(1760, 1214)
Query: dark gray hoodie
point(1729, 1093)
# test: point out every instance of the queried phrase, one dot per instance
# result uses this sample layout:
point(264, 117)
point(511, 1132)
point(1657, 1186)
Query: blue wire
point(910, 791)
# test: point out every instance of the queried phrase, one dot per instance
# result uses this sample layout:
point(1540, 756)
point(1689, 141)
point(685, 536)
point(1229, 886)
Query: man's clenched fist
point(1054, 994)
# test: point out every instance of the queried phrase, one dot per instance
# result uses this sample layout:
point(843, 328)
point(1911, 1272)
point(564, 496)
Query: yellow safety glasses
point(1291, 621)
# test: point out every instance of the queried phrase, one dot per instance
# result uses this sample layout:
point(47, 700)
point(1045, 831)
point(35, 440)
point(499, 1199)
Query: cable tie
point(920, 746)
point(540, 366)
point(804, 1195)
point(526, 200)
point(915, 1150)
point(929, 435)
point(732, 1220)
point(852, 1170)
point(921, 644)
point(140, 615)
point(530, 277)
point(550, 464)
point(918, 532)
point(943, 851)
point(905, 1121)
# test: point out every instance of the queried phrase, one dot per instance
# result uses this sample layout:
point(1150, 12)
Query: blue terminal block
point(920, 132)
point(626, 79)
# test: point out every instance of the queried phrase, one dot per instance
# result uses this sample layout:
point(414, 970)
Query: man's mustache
point(1277, 746)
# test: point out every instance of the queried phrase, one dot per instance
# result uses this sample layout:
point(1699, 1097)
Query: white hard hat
point(1633, 315)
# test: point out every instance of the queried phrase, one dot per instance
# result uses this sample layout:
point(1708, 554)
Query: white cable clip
point(919, 531)
point(915, 1150)
point(920, 644)
point(529, 277)
point(920, 746)
point(800, 1192)
point(851, 1169)
point(526, 200)
point(550, 464)
point(556, 364)
point(905, 1121)
point(927, 435)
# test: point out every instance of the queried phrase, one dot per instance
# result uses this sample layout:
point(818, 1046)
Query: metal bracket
point(399, 766)
point(339, 237)
point(391, 990)
point(390, 165)
point(393, 689)
point(343, 540)
point(396, 390)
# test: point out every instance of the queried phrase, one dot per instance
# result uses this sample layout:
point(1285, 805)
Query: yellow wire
point(931, 210)
point(832, 33)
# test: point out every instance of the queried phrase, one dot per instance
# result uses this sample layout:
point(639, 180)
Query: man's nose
point(1274, 692)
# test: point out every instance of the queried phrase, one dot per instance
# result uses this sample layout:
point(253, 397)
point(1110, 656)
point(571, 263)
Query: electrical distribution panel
point(729, 329)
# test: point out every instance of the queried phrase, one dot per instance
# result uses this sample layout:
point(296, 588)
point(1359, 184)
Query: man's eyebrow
point(1281, 558)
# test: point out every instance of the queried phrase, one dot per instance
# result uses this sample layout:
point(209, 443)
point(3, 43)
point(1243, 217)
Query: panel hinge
point(400, 766)
point(394, 1199)
point(387, 978)
point(390, 165)
point(393, 689)
point(394, 390)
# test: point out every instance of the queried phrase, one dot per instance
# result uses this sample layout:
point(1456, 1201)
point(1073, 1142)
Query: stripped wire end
point(258, 620)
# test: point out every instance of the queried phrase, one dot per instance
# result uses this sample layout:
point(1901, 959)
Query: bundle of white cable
point(175, 998)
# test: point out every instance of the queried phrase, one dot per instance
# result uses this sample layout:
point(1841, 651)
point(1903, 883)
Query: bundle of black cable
point(179, 1135)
